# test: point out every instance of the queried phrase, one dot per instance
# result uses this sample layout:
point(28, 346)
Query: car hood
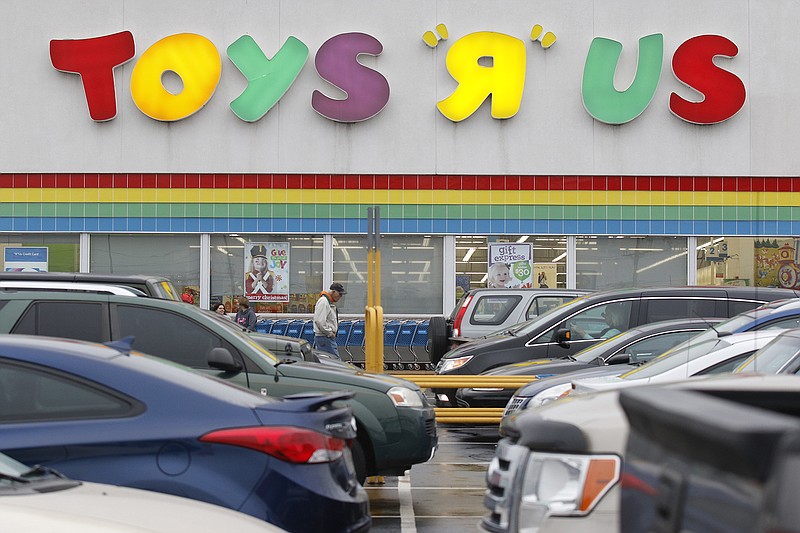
point(344, 376)
point(603, 383)
point(538, 368)
point(479, 345)
point(97, 508)
point(537, 386)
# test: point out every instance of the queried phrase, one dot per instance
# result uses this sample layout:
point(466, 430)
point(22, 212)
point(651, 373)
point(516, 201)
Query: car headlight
point(548, 395)
point(565, 485)
point(403, 397)
point(452, 364)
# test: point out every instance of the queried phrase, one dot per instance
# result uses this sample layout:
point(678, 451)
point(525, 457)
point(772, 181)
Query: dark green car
point(395, 423)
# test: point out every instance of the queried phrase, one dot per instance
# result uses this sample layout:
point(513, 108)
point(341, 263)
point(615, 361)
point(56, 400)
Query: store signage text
point(197, 62)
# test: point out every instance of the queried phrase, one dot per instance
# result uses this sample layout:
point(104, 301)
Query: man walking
point(326, 319)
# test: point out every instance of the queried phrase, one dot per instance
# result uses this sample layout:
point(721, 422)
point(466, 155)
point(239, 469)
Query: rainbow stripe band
point(279, 203)
point(404, 182)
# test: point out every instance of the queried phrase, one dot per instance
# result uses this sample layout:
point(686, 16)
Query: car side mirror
point(621, 359)
point(221, 359)
point(563, 337)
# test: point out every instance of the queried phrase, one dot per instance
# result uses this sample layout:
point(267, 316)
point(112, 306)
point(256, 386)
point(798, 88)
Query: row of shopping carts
point(405, 342)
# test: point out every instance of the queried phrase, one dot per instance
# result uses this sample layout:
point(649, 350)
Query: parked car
point(777, 314)
point(708, 462)
point(555, 335)
point(108, 415)
point(692, 358)
point(558, 467)
point(396, 424)
point(152, 286)
point(481, 312)
point(43, 500)
point(635, 346)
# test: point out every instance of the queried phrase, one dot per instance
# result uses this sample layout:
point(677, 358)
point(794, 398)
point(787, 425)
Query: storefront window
point(472, 260)
point(63, 251)
point(411, 273)
point(750, 261)
point(176, 257)
point(618, 262)
point(230, 264)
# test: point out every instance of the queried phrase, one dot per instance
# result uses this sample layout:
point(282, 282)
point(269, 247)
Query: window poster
point(510, 265)
point(25, 259)
point(544, 275)
point(266, 268)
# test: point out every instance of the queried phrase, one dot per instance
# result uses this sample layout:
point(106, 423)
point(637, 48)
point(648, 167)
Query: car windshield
point(690, 350)
point(742, 320)
point(772, 358)
point(16, 478)
point(524, 328)
point(587, 355)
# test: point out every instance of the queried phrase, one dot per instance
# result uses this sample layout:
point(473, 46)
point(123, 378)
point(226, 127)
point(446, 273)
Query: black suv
point(584, 321)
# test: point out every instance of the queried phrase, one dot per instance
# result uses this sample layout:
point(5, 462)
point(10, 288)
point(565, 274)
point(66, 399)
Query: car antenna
point(710, 325)
point(123, 345)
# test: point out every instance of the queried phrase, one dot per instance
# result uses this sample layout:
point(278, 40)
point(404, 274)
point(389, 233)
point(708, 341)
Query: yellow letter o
point(192, 57)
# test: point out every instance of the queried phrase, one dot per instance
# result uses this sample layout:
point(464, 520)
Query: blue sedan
point(106, 414)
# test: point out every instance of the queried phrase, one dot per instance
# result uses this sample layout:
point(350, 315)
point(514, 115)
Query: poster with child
point(510, 265)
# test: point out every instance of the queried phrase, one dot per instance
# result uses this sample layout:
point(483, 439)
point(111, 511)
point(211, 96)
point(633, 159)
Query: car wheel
point(437, 338)
point(359, 461)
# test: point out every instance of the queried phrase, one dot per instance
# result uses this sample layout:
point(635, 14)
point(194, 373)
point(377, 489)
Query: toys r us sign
point(197, 62)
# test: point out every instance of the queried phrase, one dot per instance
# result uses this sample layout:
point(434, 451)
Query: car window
point(165, 290)
point(726, 366)
point(677, 356)
point(167, 335)
point(651, 347)
point(736, 307)
point(542, 304)
point(493, 310)
point(29, 394)
point(72, 320)
point(784, 323)
point(773, 357)
point(659, 309)
point(601, 321)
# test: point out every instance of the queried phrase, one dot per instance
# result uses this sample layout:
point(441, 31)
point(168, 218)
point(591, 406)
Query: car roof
point(115, 367)
point(80, 276)
point(40, 285)
point(757, 293)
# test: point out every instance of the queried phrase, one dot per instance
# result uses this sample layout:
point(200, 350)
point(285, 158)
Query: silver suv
point(481, 312)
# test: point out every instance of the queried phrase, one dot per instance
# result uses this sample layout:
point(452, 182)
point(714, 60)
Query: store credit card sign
point(25, 259)
point(483, 64)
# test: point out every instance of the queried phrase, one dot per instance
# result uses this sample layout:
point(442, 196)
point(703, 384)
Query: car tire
point(359, 461)
point(437, 338)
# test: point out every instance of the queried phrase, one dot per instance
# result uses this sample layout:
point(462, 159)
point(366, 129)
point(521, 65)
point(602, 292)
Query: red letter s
point(693, 65)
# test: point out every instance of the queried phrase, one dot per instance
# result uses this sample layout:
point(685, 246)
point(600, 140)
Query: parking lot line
point(408, 523)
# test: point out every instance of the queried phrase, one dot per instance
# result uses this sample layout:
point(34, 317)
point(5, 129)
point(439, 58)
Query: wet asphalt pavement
point(443, 495)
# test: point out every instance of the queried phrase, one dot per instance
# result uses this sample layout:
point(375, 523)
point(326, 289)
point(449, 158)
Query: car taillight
point(460, 316)
point(292, 444)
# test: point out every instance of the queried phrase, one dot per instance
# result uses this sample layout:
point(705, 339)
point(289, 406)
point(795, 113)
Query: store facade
point(618, 144)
